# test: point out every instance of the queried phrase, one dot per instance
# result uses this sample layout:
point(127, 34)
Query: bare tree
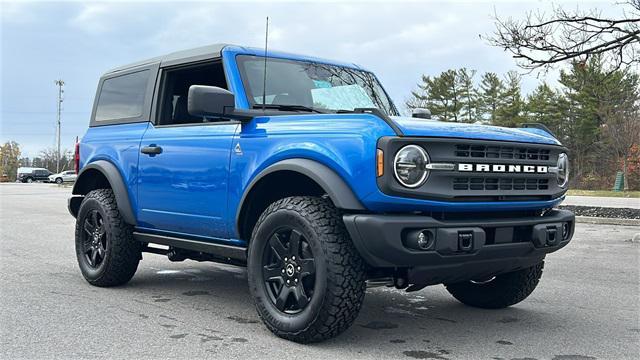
point(541, 40)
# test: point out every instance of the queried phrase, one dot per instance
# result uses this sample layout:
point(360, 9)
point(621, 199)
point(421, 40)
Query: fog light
point(420, 239)
point(425, 240)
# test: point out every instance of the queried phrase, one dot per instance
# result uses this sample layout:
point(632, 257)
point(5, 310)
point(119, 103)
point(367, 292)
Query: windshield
point(312, 85)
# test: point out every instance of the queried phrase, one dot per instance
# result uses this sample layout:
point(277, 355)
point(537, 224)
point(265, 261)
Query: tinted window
point(122, 97)
point(176, 89)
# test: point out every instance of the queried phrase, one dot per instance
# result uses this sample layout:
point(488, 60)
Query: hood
point(425, 127)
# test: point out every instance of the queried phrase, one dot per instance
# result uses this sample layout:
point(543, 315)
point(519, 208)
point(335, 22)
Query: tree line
point(11, 159)
point(595, 112)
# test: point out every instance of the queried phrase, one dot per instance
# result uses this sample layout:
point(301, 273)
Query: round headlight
point(563, 170)
point(409, 166)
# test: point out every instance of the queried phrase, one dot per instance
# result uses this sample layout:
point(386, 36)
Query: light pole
point(60, 84)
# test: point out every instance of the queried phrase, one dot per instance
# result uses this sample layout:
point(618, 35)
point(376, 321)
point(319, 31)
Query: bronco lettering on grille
point(501, 168)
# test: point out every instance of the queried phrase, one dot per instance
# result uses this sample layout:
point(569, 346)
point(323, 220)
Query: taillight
point(76, 157)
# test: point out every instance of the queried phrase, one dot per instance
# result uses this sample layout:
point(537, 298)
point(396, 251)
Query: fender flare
point(112, 174)
point(339, 192)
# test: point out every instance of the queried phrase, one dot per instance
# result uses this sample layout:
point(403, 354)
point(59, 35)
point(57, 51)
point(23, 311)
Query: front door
point(184, 161)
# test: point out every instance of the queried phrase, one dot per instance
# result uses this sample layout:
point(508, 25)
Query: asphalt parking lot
point(586, 307)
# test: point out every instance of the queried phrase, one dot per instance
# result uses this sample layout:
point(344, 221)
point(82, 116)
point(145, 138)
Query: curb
point(607, 221)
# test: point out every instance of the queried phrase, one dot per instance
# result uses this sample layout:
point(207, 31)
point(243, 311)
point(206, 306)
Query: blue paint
point(184, 189)
point(423, 127)
point(195, 186)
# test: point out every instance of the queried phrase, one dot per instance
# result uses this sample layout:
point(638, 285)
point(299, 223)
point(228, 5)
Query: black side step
point(225, 252)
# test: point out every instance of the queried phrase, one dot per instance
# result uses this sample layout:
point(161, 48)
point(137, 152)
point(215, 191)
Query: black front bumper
point(458, 250)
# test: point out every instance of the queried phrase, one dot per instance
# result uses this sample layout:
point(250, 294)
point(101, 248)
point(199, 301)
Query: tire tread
point(346, 285)
point(125, 252)
point(505, 290)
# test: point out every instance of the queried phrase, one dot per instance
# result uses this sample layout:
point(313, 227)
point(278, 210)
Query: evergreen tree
point(546, 106)
point(509, 111)
point(491, 88)
point(468, 95)
point(602, 103)
point(440, 94)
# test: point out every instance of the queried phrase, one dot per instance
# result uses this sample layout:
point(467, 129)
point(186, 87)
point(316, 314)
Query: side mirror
point(209, 101)
point(421, 113)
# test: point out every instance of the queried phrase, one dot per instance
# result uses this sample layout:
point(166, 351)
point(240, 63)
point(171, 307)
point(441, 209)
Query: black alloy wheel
point(289, 270)
point(107, 253)
point(94, 239)
point(305, 275)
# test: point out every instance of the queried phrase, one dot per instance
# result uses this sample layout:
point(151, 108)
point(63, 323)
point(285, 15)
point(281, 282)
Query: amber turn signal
point(380, 162)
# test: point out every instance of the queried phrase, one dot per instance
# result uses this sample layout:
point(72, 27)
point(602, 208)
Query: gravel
point(605, 212)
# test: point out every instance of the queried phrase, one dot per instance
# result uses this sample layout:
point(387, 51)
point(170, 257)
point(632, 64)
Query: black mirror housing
point(421, 113)
point(210, 101)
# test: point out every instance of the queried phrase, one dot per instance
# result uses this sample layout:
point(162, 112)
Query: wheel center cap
point(290, 269)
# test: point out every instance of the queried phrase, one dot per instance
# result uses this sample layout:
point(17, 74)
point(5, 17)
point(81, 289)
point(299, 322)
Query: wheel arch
point(102, 174)
point(291, 177)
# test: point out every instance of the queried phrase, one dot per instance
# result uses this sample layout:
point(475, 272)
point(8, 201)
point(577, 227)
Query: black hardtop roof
point(195, 54)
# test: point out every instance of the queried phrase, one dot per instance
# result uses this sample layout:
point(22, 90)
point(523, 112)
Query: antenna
point(264, 79)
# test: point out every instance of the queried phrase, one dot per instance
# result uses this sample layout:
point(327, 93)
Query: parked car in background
point(29, 175)
point(65, 176)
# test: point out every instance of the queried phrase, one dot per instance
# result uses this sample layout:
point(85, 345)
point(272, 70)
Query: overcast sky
point(77, 41)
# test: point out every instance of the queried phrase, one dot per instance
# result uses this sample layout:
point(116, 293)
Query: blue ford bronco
point(302, 170)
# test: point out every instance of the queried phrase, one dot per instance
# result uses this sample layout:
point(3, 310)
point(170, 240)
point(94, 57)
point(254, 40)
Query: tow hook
point(465, 240)
point(552, 234)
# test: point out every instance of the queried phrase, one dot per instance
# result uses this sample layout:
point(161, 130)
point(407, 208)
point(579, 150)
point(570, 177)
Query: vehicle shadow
point(428, 324)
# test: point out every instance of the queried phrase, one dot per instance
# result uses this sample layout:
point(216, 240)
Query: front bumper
point(458, 250)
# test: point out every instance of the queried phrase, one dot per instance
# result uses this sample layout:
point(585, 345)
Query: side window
point(122, 97)
point(175, 89)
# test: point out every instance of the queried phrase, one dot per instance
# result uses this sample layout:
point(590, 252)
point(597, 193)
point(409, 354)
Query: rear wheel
point(499, 292)
point(106, 251)
point(306, 277)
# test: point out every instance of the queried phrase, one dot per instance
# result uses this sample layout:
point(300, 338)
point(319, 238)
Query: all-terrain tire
point(121, 252)
point(503, 291)
point(339, 270)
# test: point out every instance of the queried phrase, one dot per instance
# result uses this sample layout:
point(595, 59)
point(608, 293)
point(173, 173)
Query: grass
point(605, 193)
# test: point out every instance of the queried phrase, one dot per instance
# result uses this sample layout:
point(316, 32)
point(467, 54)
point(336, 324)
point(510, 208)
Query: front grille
point(479, 151)
point(477, 185)
point(503, 183)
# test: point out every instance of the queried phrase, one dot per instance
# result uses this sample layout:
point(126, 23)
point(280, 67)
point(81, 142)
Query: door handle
point(151, 150)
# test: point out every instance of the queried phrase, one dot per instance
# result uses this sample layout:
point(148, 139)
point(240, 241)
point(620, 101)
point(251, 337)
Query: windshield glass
point(312, 85)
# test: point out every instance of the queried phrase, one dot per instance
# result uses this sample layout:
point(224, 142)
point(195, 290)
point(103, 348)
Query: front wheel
point(499, 292)
point(306, 277)
point(29, 180)
point(59, 181)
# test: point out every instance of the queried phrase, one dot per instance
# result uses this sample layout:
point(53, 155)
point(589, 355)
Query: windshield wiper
point(288, 107)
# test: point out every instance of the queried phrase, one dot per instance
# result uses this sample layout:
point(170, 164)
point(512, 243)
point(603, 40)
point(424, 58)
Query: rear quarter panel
point(120, 145)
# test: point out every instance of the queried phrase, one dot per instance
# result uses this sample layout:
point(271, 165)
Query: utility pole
point(60, 84)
